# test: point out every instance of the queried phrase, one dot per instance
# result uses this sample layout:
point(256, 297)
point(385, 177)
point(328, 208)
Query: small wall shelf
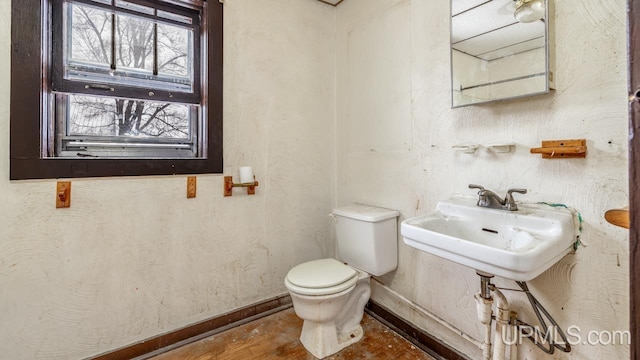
point(618, 217)
point(500, 147)
point(558, 149)
point(466, 148)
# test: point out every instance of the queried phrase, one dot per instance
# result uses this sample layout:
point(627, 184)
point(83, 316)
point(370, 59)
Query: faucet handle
point(509, 203)
point(473, 186)
point(521, 191)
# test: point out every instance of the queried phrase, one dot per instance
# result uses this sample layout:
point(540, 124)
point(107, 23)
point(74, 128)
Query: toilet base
point(332, 322)
point(321, 339)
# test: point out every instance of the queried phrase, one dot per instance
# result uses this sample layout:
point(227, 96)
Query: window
point(125, 80)
point(123, 87)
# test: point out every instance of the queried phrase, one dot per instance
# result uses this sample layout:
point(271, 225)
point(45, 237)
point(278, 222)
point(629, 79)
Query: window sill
point(25, 169)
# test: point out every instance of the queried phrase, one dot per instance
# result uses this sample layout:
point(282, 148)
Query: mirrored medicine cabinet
point(496, 57)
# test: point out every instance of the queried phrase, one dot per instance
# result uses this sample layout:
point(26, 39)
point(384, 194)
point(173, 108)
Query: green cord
point(578, 243)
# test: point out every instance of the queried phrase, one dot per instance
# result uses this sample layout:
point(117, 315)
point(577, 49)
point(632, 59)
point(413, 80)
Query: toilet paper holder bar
point(229, 185)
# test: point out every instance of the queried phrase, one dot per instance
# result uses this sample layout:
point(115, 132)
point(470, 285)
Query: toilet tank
point(367, 238)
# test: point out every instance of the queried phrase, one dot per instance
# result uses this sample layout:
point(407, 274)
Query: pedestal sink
point(517, 245)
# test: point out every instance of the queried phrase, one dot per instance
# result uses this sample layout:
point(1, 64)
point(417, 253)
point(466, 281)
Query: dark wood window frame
point(29, 92)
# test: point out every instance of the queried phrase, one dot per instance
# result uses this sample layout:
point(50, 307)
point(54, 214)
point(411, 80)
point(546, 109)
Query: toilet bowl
point(330, 297)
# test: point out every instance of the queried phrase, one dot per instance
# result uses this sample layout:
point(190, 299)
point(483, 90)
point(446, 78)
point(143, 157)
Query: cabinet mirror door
point(494, 56)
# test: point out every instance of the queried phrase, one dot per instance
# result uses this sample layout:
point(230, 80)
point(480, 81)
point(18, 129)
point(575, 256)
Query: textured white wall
point(395, 131)
point(133, 257)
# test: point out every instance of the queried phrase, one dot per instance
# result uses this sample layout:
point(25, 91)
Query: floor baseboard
point(174, 339)
point(416, 336)
point(168, 341)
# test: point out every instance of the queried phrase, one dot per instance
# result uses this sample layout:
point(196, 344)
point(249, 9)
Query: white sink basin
point(517, 245)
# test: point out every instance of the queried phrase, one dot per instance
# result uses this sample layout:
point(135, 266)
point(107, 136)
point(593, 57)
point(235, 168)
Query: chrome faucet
point(489, 199)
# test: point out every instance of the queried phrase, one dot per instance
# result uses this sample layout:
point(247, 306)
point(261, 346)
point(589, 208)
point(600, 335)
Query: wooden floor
point(276, 337)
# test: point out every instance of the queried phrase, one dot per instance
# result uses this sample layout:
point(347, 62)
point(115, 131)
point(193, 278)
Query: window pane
point(134, 43)
point(92, 46)
point(91, 116)
point(102, 116)
point(175, 56)
point(90, 35)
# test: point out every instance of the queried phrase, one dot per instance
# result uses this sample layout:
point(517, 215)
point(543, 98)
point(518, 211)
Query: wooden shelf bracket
point(562, 149)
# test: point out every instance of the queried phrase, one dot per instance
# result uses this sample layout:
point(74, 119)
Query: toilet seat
point(321, 277)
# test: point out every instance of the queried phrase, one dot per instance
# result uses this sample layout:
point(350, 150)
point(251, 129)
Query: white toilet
point(330, 296)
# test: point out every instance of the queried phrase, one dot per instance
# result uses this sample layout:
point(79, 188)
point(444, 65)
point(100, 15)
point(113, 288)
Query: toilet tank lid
point(365, 213)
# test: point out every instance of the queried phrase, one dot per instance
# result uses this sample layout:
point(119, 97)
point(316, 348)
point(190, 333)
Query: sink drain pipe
point(508, 320)
point(484, 304)
point(502, 321)
point(484, 315)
